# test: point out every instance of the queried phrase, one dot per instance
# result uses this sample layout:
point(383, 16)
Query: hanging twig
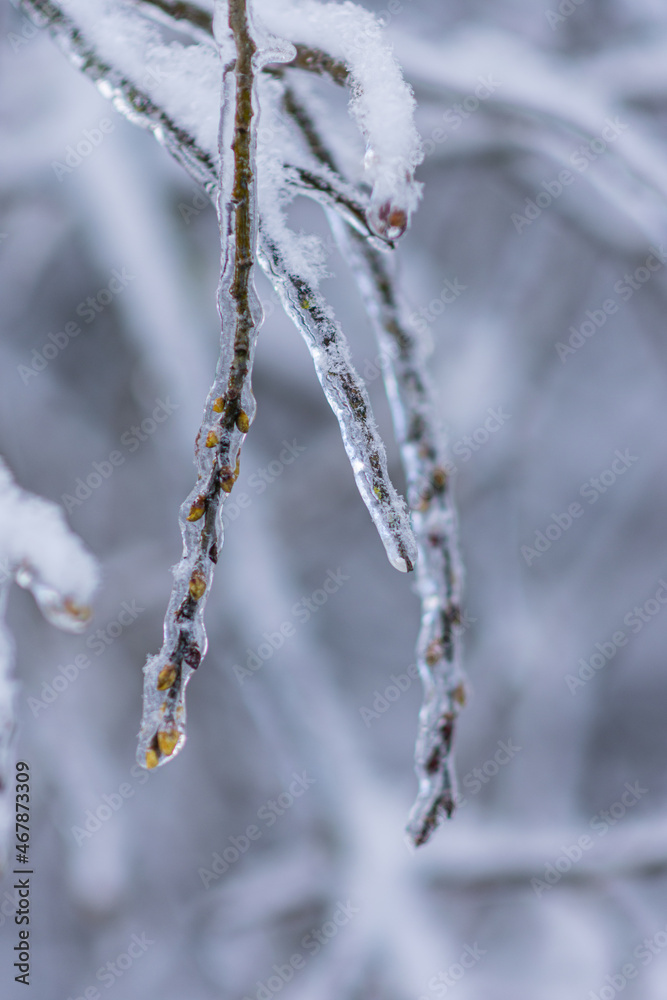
point(438, 576)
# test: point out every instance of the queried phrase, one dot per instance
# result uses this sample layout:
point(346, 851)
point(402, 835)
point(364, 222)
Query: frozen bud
point(166, 677)
point(434, 653)
point(243, 422)
point(197, 585)
point(152, 758)
point(167, 741)
point(219, 404)
point(459, 694)
point(212, 438)
point(388, 220)
point(197, 509)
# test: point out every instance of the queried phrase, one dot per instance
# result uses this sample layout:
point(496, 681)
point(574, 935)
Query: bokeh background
point(565, 725)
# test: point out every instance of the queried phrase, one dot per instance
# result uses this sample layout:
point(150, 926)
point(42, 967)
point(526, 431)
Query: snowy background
point(556, 740)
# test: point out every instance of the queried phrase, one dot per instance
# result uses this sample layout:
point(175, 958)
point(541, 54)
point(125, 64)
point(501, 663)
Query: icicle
point(349, 400)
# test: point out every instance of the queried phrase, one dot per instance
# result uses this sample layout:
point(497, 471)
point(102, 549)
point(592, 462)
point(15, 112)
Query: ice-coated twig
point(438, 577)
point(331, 191)
point(349, 400)
point(230, 406)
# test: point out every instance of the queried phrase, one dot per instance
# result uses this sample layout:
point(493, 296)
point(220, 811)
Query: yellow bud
point(167, 741)
point(166, 677)
point(197, 510)
point(242, 422)
point(151, 758)
point(212, 439)
point(219, 404)
point(197, 585)
point(459, 695)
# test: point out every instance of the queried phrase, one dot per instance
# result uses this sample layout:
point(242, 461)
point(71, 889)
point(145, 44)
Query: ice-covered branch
point(439, 576)
point(349, 400)
point(230, 406)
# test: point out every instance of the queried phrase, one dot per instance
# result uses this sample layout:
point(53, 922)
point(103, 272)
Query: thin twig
point(438, 576)
point(229, 410)
point(348, 398)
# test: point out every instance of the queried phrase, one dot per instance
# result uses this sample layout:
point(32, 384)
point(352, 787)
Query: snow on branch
point(40, 553)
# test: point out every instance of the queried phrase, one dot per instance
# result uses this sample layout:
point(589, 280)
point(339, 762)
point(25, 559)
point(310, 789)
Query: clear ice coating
point(230, 406)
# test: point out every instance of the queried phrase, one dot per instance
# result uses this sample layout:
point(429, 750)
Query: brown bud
point(242, 422)
point(152, 758)
point(433, 653)
point(439, 479)
point(219, 404)
point(81, 612)
point(212, 439)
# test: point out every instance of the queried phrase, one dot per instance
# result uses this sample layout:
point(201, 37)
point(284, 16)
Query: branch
point(348, 398)
point(229, 410)
point(438, 577)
